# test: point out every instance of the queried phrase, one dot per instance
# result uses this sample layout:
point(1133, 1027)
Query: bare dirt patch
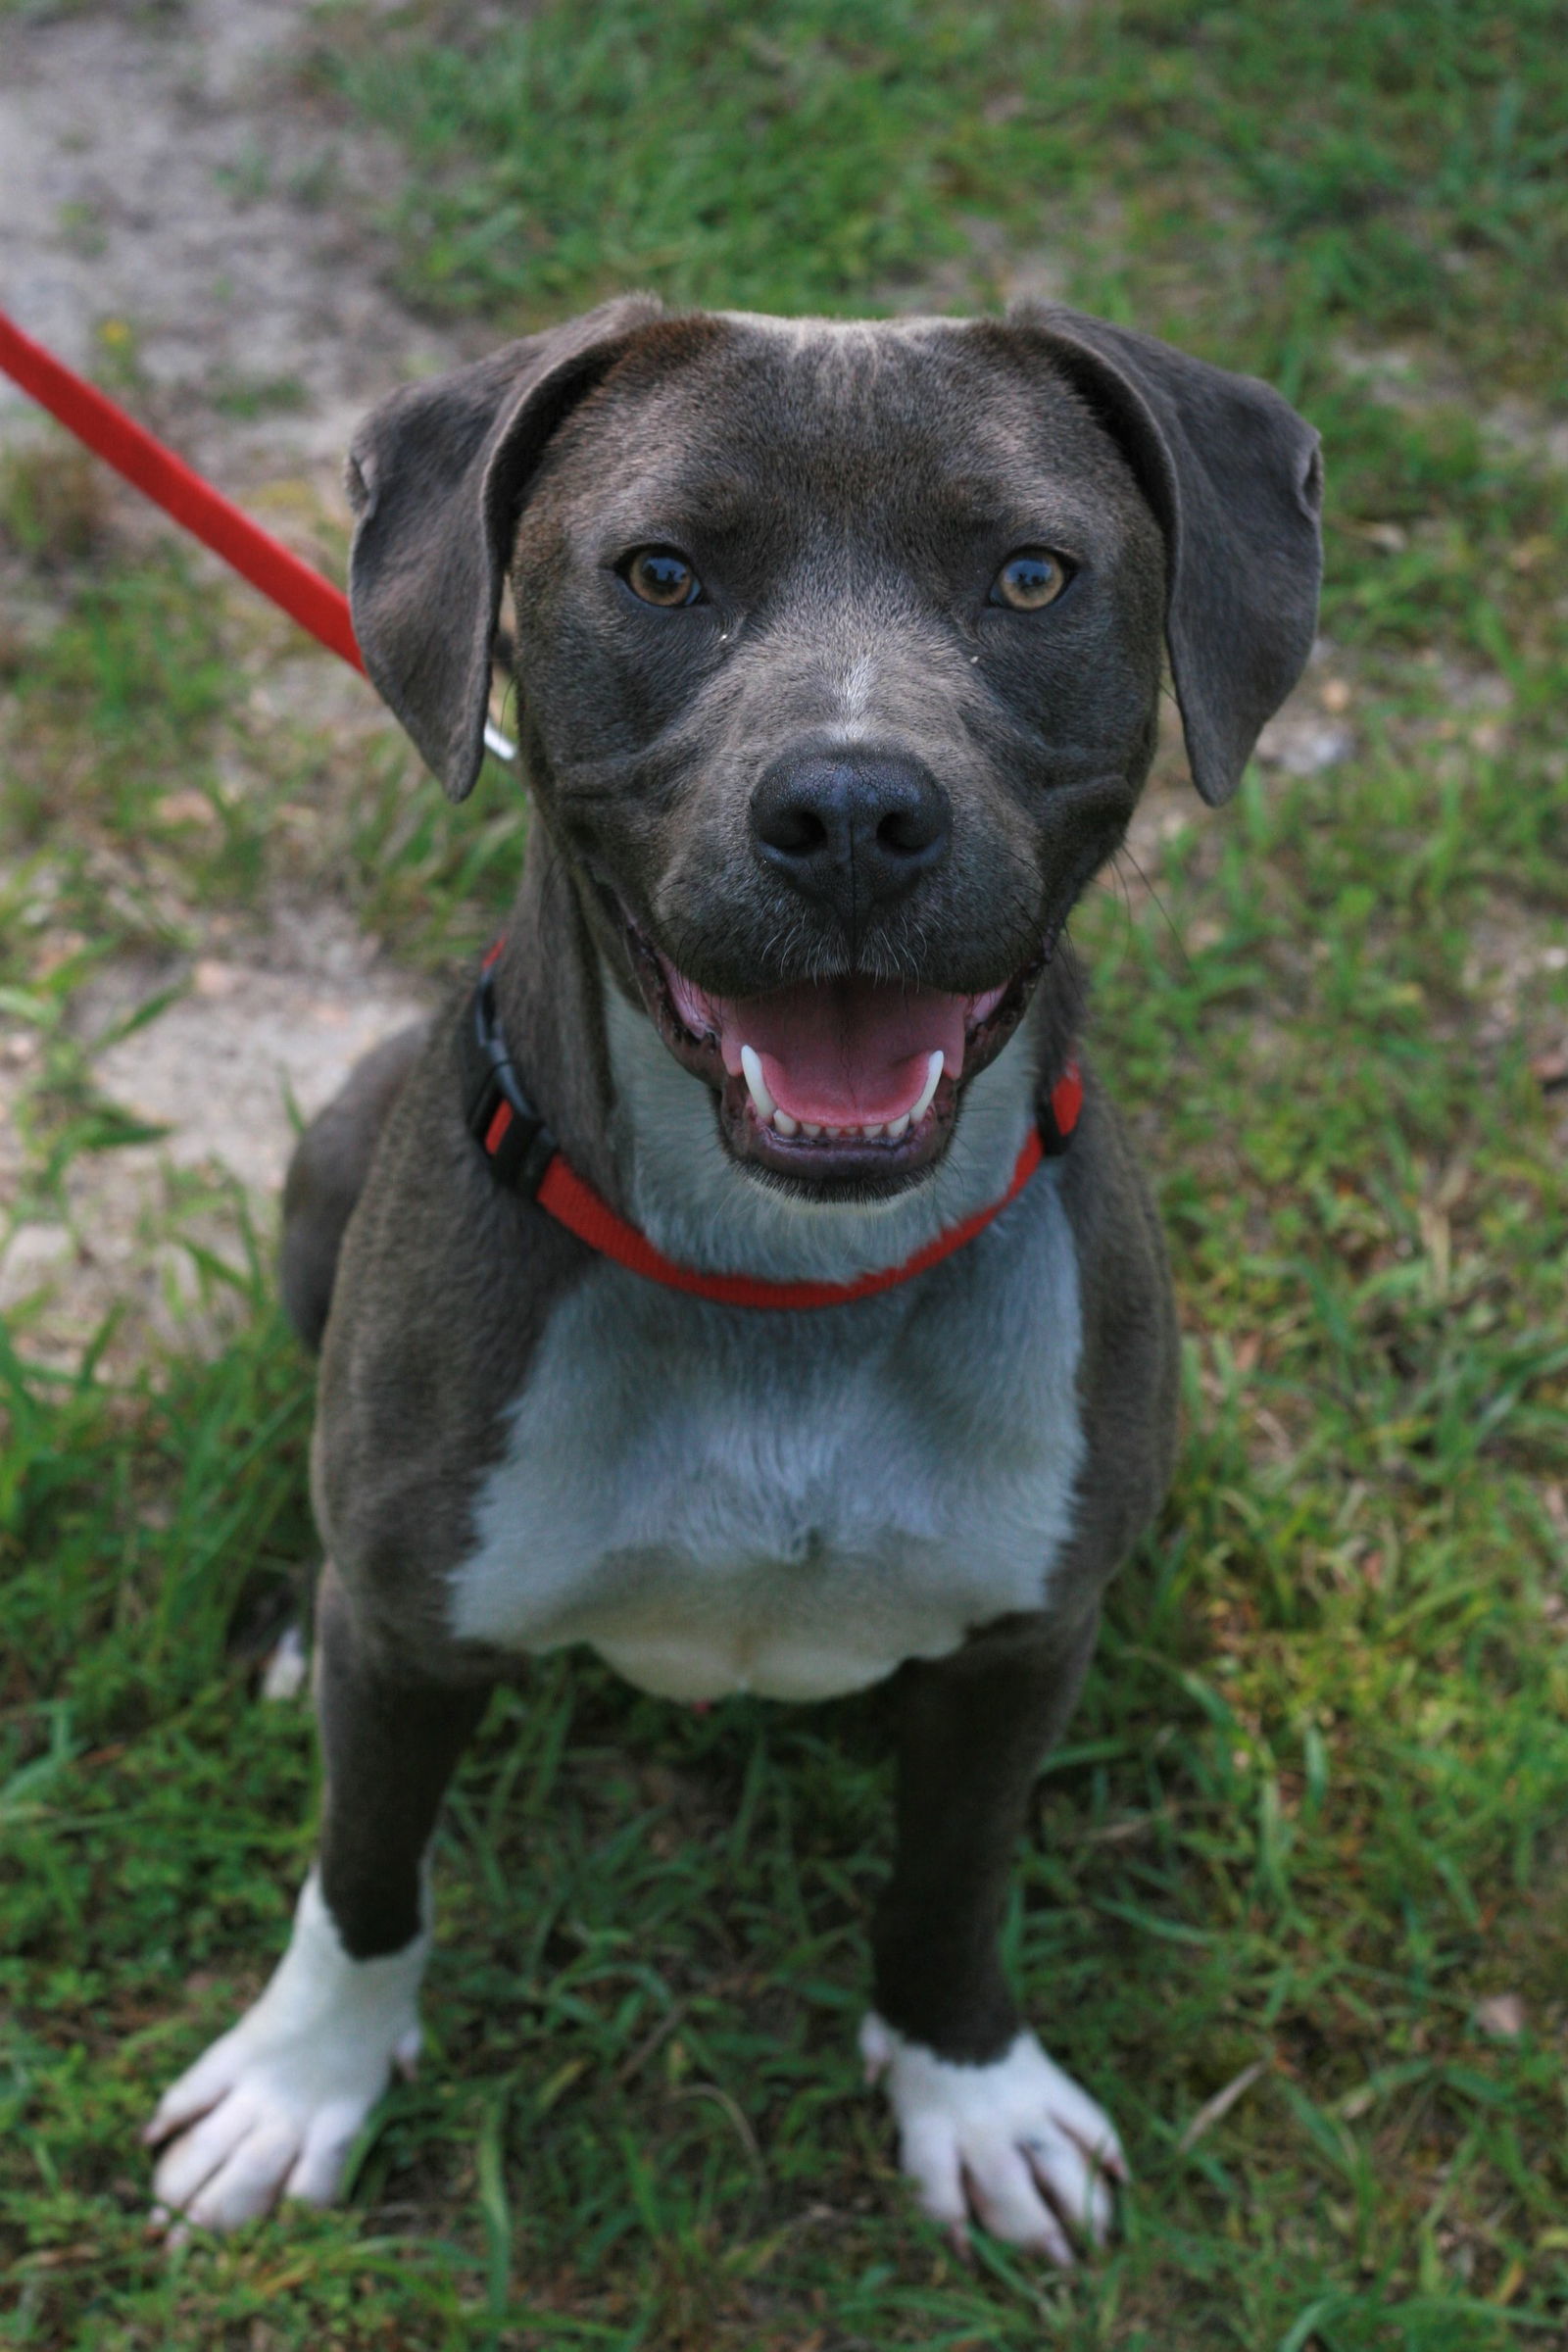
point(179, 221)
point(257, 1037)
point(161, 176)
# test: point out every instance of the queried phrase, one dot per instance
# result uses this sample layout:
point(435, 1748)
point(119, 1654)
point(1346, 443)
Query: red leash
point(95, 418)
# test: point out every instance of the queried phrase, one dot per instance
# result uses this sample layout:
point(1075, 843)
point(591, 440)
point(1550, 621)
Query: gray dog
point(749, 1278)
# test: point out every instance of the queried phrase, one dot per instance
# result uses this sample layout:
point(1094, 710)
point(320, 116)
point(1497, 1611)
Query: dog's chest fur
point(726, 1500)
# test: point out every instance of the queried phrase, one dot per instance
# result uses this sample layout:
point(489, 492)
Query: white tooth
point(784, 1124)
point(898, 1128)
point(752, 1066)
point(933, 1079)
point(809, 1127)
point(873, 1135)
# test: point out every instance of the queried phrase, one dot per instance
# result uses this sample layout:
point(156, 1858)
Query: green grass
point(1311, 1813)
point(1381, 165)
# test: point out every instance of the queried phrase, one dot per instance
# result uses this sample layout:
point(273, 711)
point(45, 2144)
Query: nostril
point(793, 830)
point(910, 832)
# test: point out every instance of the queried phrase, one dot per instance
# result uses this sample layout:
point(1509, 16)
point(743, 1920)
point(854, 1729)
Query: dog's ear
point(437, 475)
point(1235, 478)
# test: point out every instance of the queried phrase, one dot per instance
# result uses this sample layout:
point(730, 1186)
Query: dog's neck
point(644, 1131)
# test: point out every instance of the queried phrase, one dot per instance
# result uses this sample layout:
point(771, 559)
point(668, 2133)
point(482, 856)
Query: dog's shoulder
point(446, 1284)
point(1130, 1349)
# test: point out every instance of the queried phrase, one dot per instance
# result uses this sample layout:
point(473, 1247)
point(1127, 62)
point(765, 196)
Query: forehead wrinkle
point(776, 393)
point(693, 504)
point(823, 435)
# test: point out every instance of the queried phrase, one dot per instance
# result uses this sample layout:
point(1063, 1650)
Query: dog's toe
point(198, 2091)
point(185, 2167)
point(317, 2174)
point(1004, 2194)
point(1016, 2144)
point(251, 2176)
point(1074, 2179)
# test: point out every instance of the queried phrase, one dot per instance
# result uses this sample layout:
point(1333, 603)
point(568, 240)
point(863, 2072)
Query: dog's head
point(838, 651)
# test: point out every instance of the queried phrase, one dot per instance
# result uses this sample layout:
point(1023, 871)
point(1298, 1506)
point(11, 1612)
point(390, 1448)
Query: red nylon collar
point(576, 1206)
point(523, 1155)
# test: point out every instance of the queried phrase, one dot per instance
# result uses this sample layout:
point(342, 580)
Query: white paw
point(272, 2108)
point(1015, 2142)
point(288, 1668)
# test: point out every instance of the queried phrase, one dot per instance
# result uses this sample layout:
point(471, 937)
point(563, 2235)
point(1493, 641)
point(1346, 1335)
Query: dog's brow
point(698, 507)
point(978, 494)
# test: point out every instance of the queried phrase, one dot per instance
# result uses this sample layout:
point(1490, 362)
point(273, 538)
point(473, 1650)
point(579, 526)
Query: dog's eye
point(1029, 581)
point(659, 577)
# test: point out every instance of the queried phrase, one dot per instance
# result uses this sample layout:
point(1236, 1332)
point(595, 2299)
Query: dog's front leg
point(272, 2107)
point(987, 2123)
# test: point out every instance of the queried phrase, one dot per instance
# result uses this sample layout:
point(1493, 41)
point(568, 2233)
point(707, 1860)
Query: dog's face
point(838, 651)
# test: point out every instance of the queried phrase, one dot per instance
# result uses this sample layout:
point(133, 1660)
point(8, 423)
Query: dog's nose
point(854, 832)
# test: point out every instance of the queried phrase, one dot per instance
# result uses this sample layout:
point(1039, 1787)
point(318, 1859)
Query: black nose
point(854, 832)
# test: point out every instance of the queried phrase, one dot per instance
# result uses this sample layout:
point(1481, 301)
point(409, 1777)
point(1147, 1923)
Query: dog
point(749, 1277)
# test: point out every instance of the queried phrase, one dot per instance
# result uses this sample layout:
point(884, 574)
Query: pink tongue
point(844, 1052)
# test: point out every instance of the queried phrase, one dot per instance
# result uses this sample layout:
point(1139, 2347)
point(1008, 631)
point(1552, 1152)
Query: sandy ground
point(163, 172)
point(161, 176)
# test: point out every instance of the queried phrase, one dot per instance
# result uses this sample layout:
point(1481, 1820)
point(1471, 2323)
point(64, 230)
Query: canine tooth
point(752, 1066)
point(784, 1124)
point(897, 1128)
point(933, 1078)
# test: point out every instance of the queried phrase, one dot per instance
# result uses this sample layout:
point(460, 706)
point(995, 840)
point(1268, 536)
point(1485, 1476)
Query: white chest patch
point(724, 1499)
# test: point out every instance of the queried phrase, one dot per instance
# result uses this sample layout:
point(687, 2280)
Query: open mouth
point(850, 1082)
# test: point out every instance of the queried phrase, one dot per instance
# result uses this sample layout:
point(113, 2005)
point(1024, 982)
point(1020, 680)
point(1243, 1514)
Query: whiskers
point(1123, 854)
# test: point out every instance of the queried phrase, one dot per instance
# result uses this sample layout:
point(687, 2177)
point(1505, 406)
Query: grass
point(1307, 1833)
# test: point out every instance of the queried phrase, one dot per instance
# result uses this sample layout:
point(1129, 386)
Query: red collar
point(522, 1152)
